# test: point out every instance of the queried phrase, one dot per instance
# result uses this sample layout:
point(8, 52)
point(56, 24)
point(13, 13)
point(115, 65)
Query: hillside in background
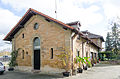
point(5, 52)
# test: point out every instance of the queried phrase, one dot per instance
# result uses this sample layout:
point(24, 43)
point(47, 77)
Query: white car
point(2, 68)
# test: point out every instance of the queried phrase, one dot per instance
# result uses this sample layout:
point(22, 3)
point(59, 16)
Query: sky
point(94, 15)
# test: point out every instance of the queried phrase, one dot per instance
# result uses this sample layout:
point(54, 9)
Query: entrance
point(36, 53)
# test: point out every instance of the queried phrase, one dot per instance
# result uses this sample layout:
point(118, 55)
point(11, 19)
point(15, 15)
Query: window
point(23, 35)
point(47, 20)
point(22, 54)
point(36, 25)
point(98, 42)
point(36, 43)
point(51, 53)
point(78, 53)
point(95, 55)
point(92, 55)
point(26, 53)
point(65, 28)
point(86, 54)
point(78, 37)
point(82, 49)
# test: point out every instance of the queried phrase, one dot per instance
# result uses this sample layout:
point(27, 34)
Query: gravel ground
point(100, 71)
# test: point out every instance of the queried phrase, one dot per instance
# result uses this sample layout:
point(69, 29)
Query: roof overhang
point(26, 17)
point(74, 23)
point(32, 12)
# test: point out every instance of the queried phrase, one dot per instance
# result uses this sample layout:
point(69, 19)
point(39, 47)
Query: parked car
point(2, 68)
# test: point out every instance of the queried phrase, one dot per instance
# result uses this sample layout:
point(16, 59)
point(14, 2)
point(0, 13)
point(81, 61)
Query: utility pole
point(56, 8)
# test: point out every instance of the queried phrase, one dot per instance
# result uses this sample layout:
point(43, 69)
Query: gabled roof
point(31, 12)
point(74, 23)
point(90, 41)
point(26, 17)
point(92, 36)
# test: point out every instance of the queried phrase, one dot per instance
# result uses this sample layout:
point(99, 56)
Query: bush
point(14, 54)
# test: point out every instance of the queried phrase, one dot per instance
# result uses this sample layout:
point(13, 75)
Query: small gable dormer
point(75, 24)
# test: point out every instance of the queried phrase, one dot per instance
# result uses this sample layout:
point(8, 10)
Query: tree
point(108, 42)
point(115, 38)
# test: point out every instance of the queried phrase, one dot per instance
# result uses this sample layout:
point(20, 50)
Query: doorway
point(36, 53)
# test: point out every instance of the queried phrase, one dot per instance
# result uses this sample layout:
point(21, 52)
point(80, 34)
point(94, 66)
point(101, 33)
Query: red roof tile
point(46, 16)
point(30, 9)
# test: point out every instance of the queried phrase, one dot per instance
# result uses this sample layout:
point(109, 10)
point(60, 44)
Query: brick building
point(41, 38)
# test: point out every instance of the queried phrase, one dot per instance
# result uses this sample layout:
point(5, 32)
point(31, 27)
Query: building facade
point(41, 38)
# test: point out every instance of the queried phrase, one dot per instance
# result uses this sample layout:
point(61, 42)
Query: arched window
point(36, 43)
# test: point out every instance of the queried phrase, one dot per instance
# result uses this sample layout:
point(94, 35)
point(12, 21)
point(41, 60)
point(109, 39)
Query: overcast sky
point(94, 15)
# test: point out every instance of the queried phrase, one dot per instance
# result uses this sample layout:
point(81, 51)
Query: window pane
point(22, 35)
point(23, 54)
point(51, 53)
point(78, 54)
point(37, 43)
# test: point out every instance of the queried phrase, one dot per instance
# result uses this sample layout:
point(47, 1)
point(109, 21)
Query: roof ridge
point(91, 33)
point(37, 12)
point(30, 9)
point(17, 24)
point(52, 18)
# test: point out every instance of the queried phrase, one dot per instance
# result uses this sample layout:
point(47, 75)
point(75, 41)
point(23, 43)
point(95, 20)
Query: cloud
point(111, 8)
point(67, 9)
point(45, 6)
point(88, 2)
point(87, 16)
point(1, 37)
point(7, 20)
point(93, 14)
point(83, 10)
point(3, 45)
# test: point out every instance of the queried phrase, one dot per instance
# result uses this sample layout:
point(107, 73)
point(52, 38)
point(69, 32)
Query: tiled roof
point(32, 12)
point(29, 13)
point(91, 35)
point(74, 23)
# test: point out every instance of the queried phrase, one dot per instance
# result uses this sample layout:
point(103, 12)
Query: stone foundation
point(44, 70)
point(24, 68)
point(50, 70)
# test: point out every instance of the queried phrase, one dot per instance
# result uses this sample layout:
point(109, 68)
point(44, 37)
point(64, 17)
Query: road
point(100, 71)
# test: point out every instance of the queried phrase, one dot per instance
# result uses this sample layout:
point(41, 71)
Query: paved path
point(100, 71)
point(20, 75)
